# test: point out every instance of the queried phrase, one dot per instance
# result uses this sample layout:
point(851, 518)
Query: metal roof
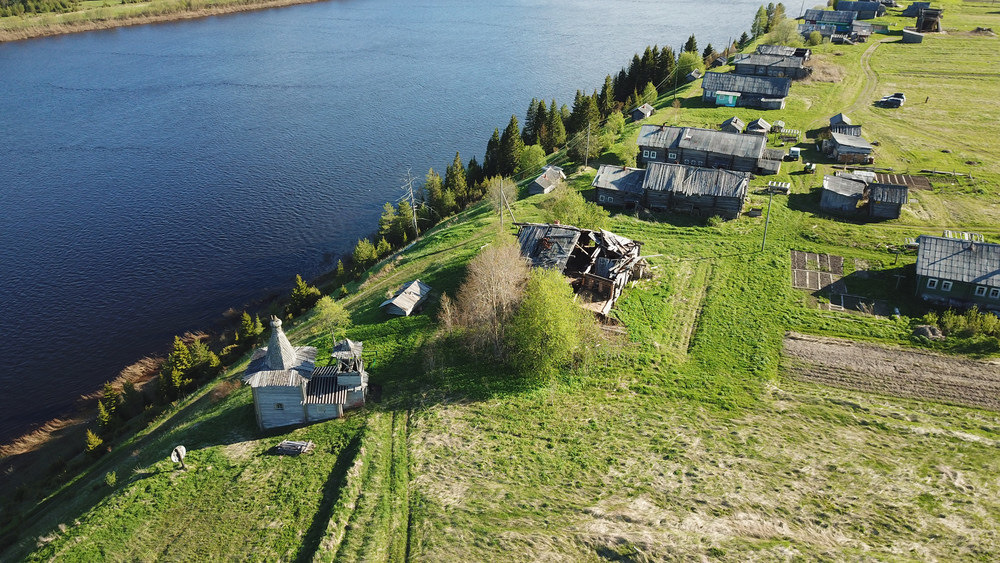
point(844, 186)
point(409, 296)
point(548, 246)
point(780, 50)
point(620, 178)
point(850, 141)
point(765, 86)
point(707, 140)
point(694, 180)
point(843, 129)
point(776, 61)
point(324, 390)
point(887, 193)
point(830, 16)
point(959, 260)
point(838, 119)
point(646, 108)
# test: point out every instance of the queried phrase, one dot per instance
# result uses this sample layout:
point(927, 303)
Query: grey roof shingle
point(707, 140)
point(764, 86)
point(830, 16)
point(775, 61)
point(844, 186)
point(780, 50)
point(887, 193)
point(694, 180)
point(959, 260)
point(850, 141)
point(409, 296)
point(620, 178)
point(735, 122)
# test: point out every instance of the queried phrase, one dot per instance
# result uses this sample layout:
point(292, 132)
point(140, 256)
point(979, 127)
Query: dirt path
point(892, 371)
point(867, 94)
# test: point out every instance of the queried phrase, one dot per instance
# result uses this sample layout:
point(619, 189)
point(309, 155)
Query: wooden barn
point(885, 201)
point(547, 180)
point(848, 149)
point(289, 389)
point(599, 264)
point(703, 192)
point(642, 112)
point(733, 125)
point(740, 90)
point(842, 195)
point(758, 127)
point(407, 299)
point(857, 195)
point(619, 186)
point(954, 272)
point(706, 147)
point(770, 65)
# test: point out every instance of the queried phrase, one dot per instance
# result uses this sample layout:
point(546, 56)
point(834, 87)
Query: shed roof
point(620, 178)
point(839, 119)
point(853, 130)
point(550, 177)
point(830, 16)
point(765, 86)
point(324, 390)
point(851, 6)
point(844, 186)
point(759, 125)
point(735, 122)
point(708, 140)
point(646, 108)
point(548, 246)
point(409, 296)
point(959, 260)
point(694, 180)
point(775, 61)
point(850, 141)
point(888, 193)
point(780, 50)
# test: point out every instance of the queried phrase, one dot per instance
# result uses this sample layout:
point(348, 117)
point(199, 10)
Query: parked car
point(890, 102)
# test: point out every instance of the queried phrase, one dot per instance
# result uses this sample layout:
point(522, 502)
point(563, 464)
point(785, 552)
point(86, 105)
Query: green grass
point(680, 440)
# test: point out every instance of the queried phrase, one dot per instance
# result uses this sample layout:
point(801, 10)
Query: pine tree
point(404, 223)
point(93, 443)
point(708, 52)
point(511, 146)
point(530, 123)
point(759, 26)
point(387, 224)
point(743, 41)
point(103, 416)
point(454, 176)
point(491, 160)
point(691, 46)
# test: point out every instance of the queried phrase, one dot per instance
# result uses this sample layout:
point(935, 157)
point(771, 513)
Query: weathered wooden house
point(842, 195)
point(289, 389)
point(865, 10)
point(642, 112)
point(619, 186)
point(599, 264)
point(407, 300)
point(784, 51)
point(827, 22)
point(848, 149)
point(733, 125)
point(958, 273)
point(740, 90)
point(706, 147)
point(702, 192)
point(547, 180)
point(885, 201)
point(770, 65)
point(759, 127)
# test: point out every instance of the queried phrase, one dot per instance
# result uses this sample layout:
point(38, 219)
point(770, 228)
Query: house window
point(946, 285)
point(995, 293)
point(279, 406)
point(686, 161)
point(610, 199)
point(980, 291)
point(932, 283)
point(672, 155)
point(652, 154)
point(645, 154)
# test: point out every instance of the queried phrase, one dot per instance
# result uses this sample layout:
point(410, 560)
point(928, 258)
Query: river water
point(152, 177)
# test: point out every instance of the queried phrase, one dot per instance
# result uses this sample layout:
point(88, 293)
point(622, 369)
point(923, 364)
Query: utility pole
point(767, 220)
point(586, 156)
point(413, 204)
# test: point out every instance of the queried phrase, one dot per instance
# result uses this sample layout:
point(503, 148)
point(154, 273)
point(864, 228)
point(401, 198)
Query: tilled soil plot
point(892, 371)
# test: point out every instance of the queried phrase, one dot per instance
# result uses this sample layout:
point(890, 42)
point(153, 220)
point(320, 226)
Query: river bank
point(15, 28)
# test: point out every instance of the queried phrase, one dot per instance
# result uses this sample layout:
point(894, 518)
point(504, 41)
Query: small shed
point(619, 186)
point(848, 149)
point(841, 195)
point(693, 75)
point(839, 119)
point(885, 201)
point(929, 20)
point(758, 127)
point(778, 126)
point(547, 180)
point(642, 112)
point(911, 36)
point(407, 300)
point(719, 61)
point(733, 125)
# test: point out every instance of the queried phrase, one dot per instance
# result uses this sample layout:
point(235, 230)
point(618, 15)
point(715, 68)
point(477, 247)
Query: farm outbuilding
point(784, 51)
point(848, 149)
point(858, 195)
point(910, 36)
point(619, 186)
point(693, 190)
point(841, 195)
point(547, 180)
point(929, 20)
point(407, 299)
point(599, 263)
point(957, 273)
point(289, 389)
point(865, 10)
point(758, 127)
point(733, 125)
point(642, 112)
point(885, 201)
point(770, 65)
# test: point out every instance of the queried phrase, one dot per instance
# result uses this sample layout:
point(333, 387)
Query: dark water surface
point(152, 177)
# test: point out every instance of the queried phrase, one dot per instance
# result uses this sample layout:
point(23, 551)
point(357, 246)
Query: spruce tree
point(759, 26)
point(364, 254)
point(454, 177)
point(382, 248)
point(541, 118)
point(433, 191)
point(606, 101)
point(387, 224)
point(511, 146)
point(743, 41)
point(556, 130)
point(404, 223)
point(530, 123)
point(491, 160)
point(709, 52)
point(474, 175)
point(691, 46)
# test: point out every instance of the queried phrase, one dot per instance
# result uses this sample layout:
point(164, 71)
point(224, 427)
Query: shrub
point(331, 314)
point(93, 443)
point(815, 38)
point(570, 208)
point(364, 254)
point(303, 296)
point(111, 479)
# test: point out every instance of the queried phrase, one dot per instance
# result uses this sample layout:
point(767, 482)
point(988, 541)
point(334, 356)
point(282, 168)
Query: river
point(152, 177)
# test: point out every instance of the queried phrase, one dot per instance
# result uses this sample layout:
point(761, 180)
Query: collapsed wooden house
point(288, 387)
point(598, 263)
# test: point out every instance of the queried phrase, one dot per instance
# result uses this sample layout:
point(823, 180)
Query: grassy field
point(686, 438)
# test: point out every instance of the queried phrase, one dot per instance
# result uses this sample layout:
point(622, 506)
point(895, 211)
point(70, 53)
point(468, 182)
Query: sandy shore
point(75, 27)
